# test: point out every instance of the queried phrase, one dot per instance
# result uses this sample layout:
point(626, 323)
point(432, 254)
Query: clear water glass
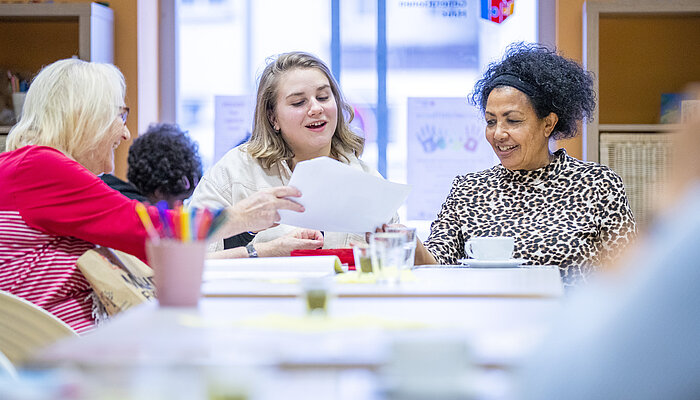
point(409, 246)
point(388, 253)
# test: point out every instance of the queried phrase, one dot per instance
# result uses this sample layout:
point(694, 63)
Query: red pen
point(204, 224)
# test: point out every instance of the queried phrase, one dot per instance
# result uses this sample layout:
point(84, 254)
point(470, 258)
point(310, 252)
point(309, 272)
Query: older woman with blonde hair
point(53, 207)
point(300, 114)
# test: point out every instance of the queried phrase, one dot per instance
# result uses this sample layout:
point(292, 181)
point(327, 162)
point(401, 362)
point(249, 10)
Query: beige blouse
point(237, 175)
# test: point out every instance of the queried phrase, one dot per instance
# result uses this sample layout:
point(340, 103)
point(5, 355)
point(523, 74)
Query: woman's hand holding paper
point(299, 239)
point(260, 211)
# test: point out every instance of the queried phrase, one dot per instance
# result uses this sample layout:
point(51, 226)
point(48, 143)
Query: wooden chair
point(6, 367)
point(25, 328)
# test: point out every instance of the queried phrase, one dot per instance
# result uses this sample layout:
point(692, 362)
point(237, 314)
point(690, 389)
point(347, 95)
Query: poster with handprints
point(445, 139)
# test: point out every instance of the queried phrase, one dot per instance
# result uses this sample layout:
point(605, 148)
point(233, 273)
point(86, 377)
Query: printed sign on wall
point(233, 121)
point(445, 139)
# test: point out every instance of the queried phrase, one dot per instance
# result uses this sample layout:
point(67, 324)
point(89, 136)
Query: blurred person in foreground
point(164, 164)
point(560, 210)
point(53, 205)
point(300, 114)
point(633, 333)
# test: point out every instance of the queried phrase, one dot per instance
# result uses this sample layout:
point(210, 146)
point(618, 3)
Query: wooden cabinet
point(637, 50)
point(34, 35)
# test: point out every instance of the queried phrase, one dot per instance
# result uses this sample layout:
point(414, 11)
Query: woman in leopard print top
point(561, 211)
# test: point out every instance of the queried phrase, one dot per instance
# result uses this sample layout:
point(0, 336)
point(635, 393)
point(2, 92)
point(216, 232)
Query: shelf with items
point(637, 54)
point(35, 35)
point(638, 128)
point(3, 138)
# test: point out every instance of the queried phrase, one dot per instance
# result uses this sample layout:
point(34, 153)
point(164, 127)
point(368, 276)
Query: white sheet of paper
point(339, 198)
point(270, 267)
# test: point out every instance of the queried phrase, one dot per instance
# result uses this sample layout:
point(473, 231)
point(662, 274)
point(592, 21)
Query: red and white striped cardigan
point(52, 210)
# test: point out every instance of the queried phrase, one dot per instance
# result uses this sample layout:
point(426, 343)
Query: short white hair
point(70, 106)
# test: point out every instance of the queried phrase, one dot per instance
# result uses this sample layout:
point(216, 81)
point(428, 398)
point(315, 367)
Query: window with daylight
point(406, 66)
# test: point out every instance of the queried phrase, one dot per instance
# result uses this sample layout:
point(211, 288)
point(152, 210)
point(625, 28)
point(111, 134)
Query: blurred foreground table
point(262, 328)
point(430, 281)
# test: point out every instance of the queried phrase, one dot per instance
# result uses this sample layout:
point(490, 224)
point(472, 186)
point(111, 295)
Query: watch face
point(251, 250)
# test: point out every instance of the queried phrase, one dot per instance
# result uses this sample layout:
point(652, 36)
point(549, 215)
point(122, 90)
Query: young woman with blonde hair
point(300, 114)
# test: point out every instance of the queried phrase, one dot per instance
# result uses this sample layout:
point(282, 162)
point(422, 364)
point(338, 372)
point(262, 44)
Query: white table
point(445, 281)
point(500, 314)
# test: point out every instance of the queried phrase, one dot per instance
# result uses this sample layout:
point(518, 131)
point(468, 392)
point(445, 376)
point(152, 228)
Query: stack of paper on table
point(270, 267)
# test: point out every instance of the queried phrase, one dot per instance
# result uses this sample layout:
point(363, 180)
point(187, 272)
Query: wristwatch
point(252, 253)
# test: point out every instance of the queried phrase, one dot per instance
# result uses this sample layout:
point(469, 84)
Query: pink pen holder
point(177, 271)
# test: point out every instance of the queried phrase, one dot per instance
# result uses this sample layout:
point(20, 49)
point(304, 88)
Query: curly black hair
point(164, 159)
point(561, 85)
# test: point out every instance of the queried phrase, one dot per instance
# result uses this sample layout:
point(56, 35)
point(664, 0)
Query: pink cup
point(177, 271)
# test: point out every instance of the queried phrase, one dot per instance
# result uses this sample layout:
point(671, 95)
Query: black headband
point(514, 81)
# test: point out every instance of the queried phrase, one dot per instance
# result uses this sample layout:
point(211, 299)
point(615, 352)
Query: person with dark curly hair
point(164, 164)
point(560, 210)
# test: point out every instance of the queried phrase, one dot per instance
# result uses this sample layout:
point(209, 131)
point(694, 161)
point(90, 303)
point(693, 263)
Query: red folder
point(345, 255)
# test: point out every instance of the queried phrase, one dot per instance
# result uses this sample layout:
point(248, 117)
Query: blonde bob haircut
point(70, 106)
point(268, 146)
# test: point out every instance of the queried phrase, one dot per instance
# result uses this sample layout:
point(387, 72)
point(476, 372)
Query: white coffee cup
point(490, 248)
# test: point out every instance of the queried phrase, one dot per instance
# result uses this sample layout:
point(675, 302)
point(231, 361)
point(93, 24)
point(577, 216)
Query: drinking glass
point(363, 259)
point(317, 293)
point(409, 246)
point(388, 253)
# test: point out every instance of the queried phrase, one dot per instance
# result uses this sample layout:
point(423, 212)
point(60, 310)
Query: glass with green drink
point(317, 293)
point(363, 259)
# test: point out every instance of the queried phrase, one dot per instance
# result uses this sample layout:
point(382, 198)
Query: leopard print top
point(570, 213)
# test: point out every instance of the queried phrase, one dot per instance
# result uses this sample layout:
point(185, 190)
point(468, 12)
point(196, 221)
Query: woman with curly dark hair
point(164, 164)
point(561, 211)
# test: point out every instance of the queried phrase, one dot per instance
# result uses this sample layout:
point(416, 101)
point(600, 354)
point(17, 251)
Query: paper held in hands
point(339, 198)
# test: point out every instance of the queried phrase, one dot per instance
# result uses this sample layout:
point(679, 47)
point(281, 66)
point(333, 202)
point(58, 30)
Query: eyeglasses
point(124, 113)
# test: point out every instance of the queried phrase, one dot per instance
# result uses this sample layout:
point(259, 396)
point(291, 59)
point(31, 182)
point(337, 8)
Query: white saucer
point(511, 263)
